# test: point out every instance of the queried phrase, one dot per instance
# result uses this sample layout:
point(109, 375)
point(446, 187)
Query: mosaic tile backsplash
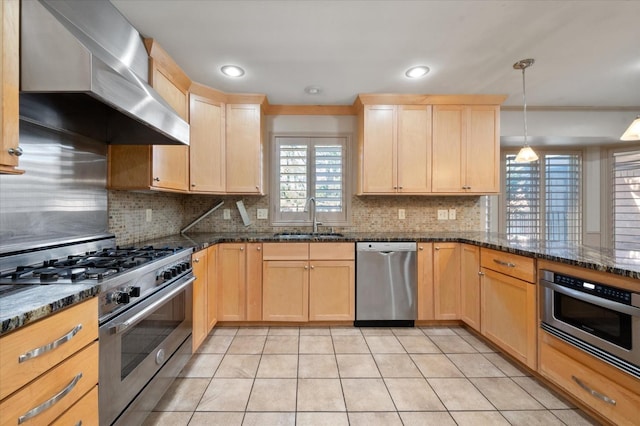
point(172, 212)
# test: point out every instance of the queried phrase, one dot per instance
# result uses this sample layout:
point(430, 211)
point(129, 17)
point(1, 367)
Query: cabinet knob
point(306, 267)
point(241, 248)
point(437, 248)
point(156, 179)
point(481, 273)
point(421, 248)
point(193, 185)
point(400, 187)
point(17, 151)
point(313, 267)
point(196, 260)
point(258, 248)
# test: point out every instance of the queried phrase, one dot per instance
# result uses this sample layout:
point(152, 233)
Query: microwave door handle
point(122, 326)
point(594, 300)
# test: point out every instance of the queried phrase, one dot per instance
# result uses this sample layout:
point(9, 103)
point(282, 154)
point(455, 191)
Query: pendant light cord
point(524, 103)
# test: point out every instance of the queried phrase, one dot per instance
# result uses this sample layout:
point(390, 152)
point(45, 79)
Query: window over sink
point(309, 166)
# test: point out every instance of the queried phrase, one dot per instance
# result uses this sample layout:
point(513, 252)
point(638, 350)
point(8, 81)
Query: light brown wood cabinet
point(470, 285)
point(466, 149)
point(508, 316)
point(425, 281)
point(446, 281)
point(212, 287)
point(395, 149)
point(239, 282)
point(244, 148)
point(71, 365)
point(10, 150)
point(200, 298)
point(158, 167)
point(308, 282)
point(207, 141)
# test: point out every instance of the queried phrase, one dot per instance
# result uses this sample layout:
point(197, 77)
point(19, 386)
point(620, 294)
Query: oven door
point(609, 326)
point(135, 344)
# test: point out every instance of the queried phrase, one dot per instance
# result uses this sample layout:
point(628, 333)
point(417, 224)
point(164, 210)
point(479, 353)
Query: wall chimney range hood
point(84, 68)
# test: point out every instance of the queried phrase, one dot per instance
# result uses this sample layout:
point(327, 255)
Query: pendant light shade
point(526, 154)
point(633, 132)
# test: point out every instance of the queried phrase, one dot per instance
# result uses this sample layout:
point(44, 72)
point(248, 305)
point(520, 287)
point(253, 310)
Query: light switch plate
point(401, 214)
point(263, 213)
point(452, 214)
point(226, 214)
point(443, 215)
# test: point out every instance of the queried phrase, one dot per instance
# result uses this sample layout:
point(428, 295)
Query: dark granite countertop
point(624, 263)
point(31, 303)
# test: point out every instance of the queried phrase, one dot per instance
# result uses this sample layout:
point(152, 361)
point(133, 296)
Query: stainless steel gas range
point(144, 313)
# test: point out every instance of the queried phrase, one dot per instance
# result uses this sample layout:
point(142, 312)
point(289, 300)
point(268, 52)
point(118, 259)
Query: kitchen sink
point(308, 236)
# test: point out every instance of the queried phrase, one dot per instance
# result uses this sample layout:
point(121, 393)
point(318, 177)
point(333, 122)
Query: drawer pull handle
point(50, 402)
point(507, 264)
point(597, 394)
point(50, 346)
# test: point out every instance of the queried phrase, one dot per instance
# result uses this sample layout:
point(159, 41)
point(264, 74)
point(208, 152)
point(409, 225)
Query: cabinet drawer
point(58, 335)
point(60, 387)
point(331, 251)
point(509, 264)
point(83, 412)
point(589, 385)
point(285, 251)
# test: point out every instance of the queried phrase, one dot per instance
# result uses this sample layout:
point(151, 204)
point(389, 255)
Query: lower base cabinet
point(332, 290)
point(470, 285)
point(600, 386)
point(285, 290)
point(200, 298)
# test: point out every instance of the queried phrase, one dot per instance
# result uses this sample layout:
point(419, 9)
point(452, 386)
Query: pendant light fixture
point(526, 154)
point(633, 132)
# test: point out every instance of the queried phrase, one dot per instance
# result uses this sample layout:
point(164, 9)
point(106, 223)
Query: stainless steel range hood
point(84, 68)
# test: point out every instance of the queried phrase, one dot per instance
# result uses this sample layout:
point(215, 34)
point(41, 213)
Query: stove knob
point(175, 271)
point(134, 292)
point(122, 298)
point(184, 266)
point(167, 275)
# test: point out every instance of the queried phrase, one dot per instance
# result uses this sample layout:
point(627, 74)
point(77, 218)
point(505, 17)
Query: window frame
point(608, 228)
point(304, 219)
point(499, 203)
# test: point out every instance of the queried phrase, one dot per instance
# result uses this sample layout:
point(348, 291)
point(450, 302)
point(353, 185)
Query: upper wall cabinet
point(207, 141)
point(244, 147)
point(466, 149)
point(9, 78)
point(161, 167)
point(395, 149)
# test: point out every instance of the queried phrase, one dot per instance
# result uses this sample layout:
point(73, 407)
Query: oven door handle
point(594, 300)
point(122, 326)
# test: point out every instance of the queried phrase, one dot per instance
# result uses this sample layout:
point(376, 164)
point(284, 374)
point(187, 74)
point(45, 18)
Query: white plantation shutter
point(543, 199)
point(310, 167)
point(626, 200)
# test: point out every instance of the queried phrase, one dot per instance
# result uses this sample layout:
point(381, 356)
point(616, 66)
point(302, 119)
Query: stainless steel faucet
point(313, 213)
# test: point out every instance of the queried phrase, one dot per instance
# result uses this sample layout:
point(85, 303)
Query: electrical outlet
point(401, 214)
point(149, 215)
point(263, 213)
point(452, 214)
point(443, 215)
point(226, 214)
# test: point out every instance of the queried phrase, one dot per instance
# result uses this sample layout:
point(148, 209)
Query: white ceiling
point(587, 52)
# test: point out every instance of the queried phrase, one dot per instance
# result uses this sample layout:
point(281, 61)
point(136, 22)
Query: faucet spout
point(314, 220)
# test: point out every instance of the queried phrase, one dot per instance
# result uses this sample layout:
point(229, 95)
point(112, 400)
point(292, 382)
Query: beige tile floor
point(356, 376)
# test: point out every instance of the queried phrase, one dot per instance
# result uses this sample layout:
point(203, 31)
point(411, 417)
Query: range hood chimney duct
point(84, 68)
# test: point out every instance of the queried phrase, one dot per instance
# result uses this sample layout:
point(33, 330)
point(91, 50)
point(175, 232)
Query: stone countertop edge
point(601, 260)
point(29, 305)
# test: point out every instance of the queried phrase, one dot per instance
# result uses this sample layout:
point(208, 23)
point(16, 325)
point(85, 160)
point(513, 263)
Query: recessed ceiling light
point(417, 72)
point(232, 71)
point(312, 90)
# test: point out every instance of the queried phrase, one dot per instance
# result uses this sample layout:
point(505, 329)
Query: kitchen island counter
point(624, 263)
point(31, 303)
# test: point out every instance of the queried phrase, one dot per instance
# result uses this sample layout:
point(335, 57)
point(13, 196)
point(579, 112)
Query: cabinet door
point(446, 280)
point(482, 149)
point(332, 290)
point(470, 285)
point(414, 149)
point(425, 281)
point(232, 282)
point(378, 150)
point(200, 298)
point(254, 281)
point(212, 287)
point(285, 290)
point(449, 133)
point(508, 315)
point(206, 149)
point(9, 85)
point(244, 149)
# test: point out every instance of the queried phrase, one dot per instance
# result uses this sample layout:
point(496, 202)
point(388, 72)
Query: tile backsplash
point(172, 212)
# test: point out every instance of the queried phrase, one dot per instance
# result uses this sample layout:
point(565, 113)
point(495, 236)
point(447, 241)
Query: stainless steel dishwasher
point(386, 281)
